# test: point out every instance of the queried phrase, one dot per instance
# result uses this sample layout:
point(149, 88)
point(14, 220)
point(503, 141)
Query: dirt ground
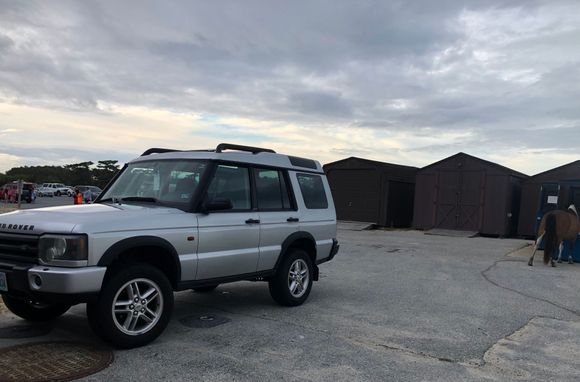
point(4, 209)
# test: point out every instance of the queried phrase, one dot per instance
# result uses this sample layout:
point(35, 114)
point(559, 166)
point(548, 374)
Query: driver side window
point(233, 183)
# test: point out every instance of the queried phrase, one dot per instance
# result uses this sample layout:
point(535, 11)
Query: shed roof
point(486, 162)
point(370, 162)
point(558, 169)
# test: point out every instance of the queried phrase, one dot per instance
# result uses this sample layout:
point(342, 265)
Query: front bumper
point(44, 283)
point(66, 280)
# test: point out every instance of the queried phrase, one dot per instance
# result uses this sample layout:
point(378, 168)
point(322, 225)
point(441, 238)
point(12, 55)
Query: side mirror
point(218, 204)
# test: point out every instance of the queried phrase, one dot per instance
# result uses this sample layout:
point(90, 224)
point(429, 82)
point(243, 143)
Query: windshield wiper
point(147, 199)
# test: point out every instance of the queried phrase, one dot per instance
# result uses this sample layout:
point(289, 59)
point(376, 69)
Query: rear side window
point(271, 190)
point(312, 191)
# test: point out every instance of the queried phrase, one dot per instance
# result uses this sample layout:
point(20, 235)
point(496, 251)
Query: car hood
point(90, 218)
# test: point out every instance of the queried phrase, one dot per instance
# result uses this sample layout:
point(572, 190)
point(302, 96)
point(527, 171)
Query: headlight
point(63, 250)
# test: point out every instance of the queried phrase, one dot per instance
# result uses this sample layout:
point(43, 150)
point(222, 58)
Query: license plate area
point(3, 283)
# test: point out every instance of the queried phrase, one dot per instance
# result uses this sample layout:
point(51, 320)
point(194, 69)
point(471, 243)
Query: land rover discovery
point(170, 221)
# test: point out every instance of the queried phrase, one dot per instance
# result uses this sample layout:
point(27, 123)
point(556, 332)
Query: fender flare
point(287, 243)
point(112, 253)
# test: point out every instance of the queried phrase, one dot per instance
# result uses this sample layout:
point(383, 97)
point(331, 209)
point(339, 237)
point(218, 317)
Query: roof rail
point(157, 151)
point(254, 150)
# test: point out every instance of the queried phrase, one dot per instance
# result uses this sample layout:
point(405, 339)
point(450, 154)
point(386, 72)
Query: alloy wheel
point(137, 306)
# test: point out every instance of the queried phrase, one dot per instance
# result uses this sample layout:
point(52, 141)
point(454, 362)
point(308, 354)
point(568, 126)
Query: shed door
point(400, 204)
point(470, 200)
point(460, 199)
point(447, 201)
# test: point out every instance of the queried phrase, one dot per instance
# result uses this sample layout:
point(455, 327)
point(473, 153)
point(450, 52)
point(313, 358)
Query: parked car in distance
point(57, 188)
point(2, 190)
point(45, 191)
point(93, 190)
point(9, 192)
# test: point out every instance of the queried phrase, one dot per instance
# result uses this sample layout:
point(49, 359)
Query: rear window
point(271, 190)
point(312, 191)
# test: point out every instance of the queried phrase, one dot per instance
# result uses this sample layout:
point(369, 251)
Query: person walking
point(87, 195)
point(78, 197)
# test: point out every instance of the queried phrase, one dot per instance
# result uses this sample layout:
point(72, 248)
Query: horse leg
point(538, 241)
point(560, 249)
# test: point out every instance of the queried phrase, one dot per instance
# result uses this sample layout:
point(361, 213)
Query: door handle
point(252, 221)
point(292, 220)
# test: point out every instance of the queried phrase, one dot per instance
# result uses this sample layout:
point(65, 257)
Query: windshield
point(168, 182)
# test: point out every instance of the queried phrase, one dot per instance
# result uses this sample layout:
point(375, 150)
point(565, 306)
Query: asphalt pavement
point(46, 201)
point(392, 306)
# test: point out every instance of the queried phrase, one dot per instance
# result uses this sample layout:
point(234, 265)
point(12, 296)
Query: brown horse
point(555, 227)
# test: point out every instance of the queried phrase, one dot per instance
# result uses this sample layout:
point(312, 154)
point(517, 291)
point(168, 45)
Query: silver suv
point(170, 221)
point(57, 189)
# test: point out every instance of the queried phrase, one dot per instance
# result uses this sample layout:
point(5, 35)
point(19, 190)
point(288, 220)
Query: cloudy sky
point(408, 82)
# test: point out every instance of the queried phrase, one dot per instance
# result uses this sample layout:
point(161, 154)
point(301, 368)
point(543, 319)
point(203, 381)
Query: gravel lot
point(393, 305)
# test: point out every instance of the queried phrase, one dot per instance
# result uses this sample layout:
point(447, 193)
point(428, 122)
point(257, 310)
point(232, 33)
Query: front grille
point(19, 247)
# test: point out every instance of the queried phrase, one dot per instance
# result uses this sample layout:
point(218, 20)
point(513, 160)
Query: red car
point(10, 192)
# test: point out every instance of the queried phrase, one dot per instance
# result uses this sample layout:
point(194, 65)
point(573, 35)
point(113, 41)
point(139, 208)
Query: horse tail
point(550, 238)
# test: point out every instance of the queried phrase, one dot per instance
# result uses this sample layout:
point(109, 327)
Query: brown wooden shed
point(370, 191)
point(562, 184)
point(466, 193)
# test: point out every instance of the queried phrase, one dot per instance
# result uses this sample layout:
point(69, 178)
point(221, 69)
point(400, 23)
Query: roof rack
point(157, 151)
point(220, 148)
point(254, 150)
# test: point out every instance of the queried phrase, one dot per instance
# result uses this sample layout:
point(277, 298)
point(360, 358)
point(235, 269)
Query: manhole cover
point(207, 321)
point(51, 361)
point(24, 331)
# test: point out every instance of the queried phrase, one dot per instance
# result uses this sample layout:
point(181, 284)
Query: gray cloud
point(319, 103)
point(497, 68)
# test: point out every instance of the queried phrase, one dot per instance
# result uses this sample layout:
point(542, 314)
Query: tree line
point(84, 173)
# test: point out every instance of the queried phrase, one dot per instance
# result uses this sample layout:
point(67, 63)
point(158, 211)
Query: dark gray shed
point(466, 193)
point(370, 191)
point(561, 185)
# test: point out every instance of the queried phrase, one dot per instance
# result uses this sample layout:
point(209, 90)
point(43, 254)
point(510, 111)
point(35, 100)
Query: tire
point(33, 311)
point(205, 289)
point(287, 286)
point(152, 316)
point(57, 193)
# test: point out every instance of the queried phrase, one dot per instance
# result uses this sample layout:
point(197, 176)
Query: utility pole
point(19, 192)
